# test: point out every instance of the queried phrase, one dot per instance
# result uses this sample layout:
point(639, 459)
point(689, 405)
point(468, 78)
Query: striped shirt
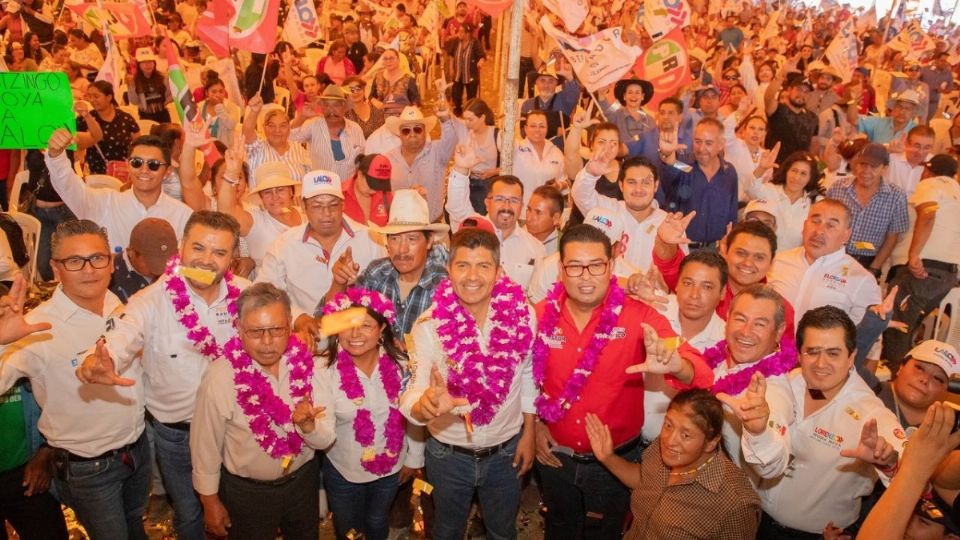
point(296, 158)
point(316, 135)
point(885, 213)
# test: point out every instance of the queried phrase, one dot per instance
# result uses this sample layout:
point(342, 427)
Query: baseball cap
point(320, 182)
point(607, 221)
point(937, 511)
point(797, 79)
point(476, 221)
point(938, 353)
point(760, 205)
point(875, 154)
point(377, 170)
point(942, 165)
point(155, 240)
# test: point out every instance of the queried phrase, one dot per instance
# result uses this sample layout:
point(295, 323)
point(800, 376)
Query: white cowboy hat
point(410, 115)
point(271, 174)
point(409, 212)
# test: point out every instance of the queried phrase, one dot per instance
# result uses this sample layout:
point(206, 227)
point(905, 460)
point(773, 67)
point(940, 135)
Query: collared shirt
point(902, 174)
point(264, 231)
point(535, 170)
point(738, 154)
point(880, 129)
point(427, 169)
point(944, 242)
point(345, 453)
point(450, 429)
point(519, 253)
point(125, 282)
point(148, 330)
point(382, 276)
point(220, 436)
point(836, 279)
point(295, 158)
point(316, 134)
point(630, 128)
point(379, 201)
point(792, 129)
point(298, 264)
point(638, 237)
point(819, 485)
point(116, 211)
point(552, 242)
point(547, 272)
point(610, 393)
point(84, 419)
point(717, 502)
point(790, 214)
point(714, 199)
point(885, 213)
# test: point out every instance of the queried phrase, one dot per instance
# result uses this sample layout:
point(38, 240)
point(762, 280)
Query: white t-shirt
point(944, 242)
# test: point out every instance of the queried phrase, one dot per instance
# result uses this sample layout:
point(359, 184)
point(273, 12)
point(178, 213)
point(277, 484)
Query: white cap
point(909, 96)
point(761, 205)
point(607, 221)
point(939, 354)
point(321, 182)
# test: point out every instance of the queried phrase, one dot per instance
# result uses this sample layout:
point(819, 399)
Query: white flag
point(772, 28)
point(842, 51)
point(912, 41)
point(573, 12)
point(598, 60)
point(660, 17)
point(112, 68)
point(302, 26)
point(868, 20)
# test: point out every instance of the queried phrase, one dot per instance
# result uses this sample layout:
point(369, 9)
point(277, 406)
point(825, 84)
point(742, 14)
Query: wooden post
point(510, 91)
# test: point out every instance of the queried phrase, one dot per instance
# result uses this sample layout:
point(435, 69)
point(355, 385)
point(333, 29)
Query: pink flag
point(121, 20)
point(243, 24)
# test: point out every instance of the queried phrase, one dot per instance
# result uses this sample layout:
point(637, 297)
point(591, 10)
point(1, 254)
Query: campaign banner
point(302, 26)
point(842, 51)
point(599, 60)
point(121, 20)
point(660, 17)
point(572, 12)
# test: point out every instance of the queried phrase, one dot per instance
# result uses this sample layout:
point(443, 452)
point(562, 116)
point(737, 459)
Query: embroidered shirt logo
point(832, 440)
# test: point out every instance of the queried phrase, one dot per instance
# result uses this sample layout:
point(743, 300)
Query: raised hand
point(12, 324)
point(255, 104)
point(307, 329)
point(599, 164)
point(649, 287)
point(345, 270)
point(305, 415)
point(436, 399)
point(897, 145)
point(98, 368)
point(670, 147)
point(768, 158)
point(872, 448)
point(601, 441)
point(197, 132)
point(465, 159)
point(582, 121)
point(751, 407)
point(661, 358)
point(59, 140)
point(673, 229)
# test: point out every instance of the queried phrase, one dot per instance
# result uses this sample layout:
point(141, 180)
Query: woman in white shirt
point(482, 137)
point(222, 114)
point(746, 153)
point(371, 456)
point(536, 160)
point(794, 187)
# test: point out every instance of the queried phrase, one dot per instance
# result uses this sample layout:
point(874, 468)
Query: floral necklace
point(553, 409)
point(201, 337)
point(364, 431)
point(778, 363)
point(266, 412)
point(483, 378)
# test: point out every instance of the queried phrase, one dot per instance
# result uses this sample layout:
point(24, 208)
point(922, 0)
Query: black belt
point(588, 457)
point(939, 265)
point(789, 531)
point(179, 426)
point(108, 454)
point(701, 245)
point(478, 453)
point(270, 483)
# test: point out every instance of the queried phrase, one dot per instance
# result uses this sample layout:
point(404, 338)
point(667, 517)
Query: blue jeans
point(362, 507)
point(49, 218)
point(109, 495)
point(173, 458)
point(584, 500)
point(456, 477)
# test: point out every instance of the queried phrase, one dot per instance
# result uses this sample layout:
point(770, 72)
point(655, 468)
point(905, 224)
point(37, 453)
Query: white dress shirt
point(84, 419)
point(790, 214)
point(264, 232)
point(147, 329)
point(298, 264)
point(903, 175)
point(450, 428)
point(116, 211)
point(819, 485)
point(316, 134)
point(738, 154)
point(220, 435)
point(836, 279)
point(381, 141)
point(534, 170)
point(519, 253)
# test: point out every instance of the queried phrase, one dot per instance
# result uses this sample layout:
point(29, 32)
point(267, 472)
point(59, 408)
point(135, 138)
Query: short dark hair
point(637, 161)
point(760, 291)
point(214, 220)
point(602, 126)
point(922, 130)
point(587, 234)
point(707, 258)
point(707, 410)
point(837, 203)
point(672, 100)
point(169, 134)
point(754, 228)
point(155, 142)
point(553, 195)
point(473, 239)
point(812, 189)
point(507, 179)
point(825, 318)
point(260, 295)
point(538, 112)
point(77, 227)
point(479, 107)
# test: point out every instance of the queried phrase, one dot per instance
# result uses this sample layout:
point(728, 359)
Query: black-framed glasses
point(594, 269)
point(416, 129)
point(152, 164)
point(272, 331)
point(76, 263)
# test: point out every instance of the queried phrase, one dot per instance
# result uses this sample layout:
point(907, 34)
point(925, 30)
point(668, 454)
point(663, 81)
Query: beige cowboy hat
point(272, 174)
point(267, 110)
point(410, 115)
point(409, 212)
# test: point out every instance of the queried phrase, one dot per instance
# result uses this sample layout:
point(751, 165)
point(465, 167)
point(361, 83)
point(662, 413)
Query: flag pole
point(886, 28)
point(510, 91)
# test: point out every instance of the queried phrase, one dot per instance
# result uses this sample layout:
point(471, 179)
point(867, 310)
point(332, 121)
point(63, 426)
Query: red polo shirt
point(379, 201)
point(610, 393)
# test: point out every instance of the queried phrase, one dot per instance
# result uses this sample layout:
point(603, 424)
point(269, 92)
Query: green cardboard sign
point(32, 105)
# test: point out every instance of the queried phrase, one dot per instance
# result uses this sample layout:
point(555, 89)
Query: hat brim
point(620, 90)
point(323, 191)
point(399, 229)
point(156, 263)
point(254, 196)
point(394, 123)
point(378, 184)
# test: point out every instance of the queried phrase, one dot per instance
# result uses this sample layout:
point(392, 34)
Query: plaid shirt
point(381, 276)
point(886, 213)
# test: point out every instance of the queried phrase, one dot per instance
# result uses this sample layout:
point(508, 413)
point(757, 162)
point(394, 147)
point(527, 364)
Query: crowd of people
point(701, 318)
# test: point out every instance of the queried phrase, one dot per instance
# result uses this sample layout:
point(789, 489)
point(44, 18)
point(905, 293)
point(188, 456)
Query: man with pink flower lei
point(592, 346)
point(177, 326)
point(256, 425)
point(473, 388)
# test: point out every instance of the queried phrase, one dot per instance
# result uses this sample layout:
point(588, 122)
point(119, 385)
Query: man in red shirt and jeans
point(596, 343)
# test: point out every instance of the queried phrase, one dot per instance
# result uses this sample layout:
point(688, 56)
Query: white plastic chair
point(31, 239)
point(19, 180)
point(131, 110)
point(104, 181)
point(145, 126)
point(947, 326)
point(281, 96)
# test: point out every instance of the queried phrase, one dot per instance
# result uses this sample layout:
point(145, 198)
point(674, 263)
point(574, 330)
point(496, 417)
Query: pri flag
point(666, 65)
point(121, 20)
point(598, 60)
point(660, 17)
point(842, 51)
point(573, 12)
point(912, 41)
point(302, 26)
point(250, 25)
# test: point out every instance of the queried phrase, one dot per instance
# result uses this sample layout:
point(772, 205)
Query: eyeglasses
point(500, 199)
point(731, 77)
point(816, 352)
point(77, 263)
point(152, 164)
point(595, 269)
point(355, 88)
point(260, 333)
point(416, 129)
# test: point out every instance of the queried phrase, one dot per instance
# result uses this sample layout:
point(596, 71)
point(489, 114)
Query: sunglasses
point(416, 129)
point(152, 164)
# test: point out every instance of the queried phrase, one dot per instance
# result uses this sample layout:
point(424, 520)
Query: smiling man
point(333, 141)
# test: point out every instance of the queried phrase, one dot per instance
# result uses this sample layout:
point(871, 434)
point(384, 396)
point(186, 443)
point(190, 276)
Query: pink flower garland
point(364, 431)
point(203, 341)
point(266, 411)
point(365, 298)
point(554, 409)
point(483, 378)
point(778, 363)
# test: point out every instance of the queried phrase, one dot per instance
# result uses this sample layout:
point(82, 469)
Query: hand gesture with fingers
point(197, 132)
point(898, 144)
point(234, 157)
point(98, 368)
point(670, 147)
point(661, 358)
point(751, 407)
point(872, 448)
point(345, 270)
point(436, 399)
point(465, 159)
point(673, 229)
point(12, 324)
point(768, 158)
point(582, 121)
point(601, 441)
point(649, 287)
point(599, 164)
point(305, 415)
point(255, 104)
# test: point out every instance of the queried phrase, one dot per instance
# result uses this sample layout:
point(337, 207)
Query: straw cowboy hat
point(271, 174)
point(410, 115)
point(409, 212)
